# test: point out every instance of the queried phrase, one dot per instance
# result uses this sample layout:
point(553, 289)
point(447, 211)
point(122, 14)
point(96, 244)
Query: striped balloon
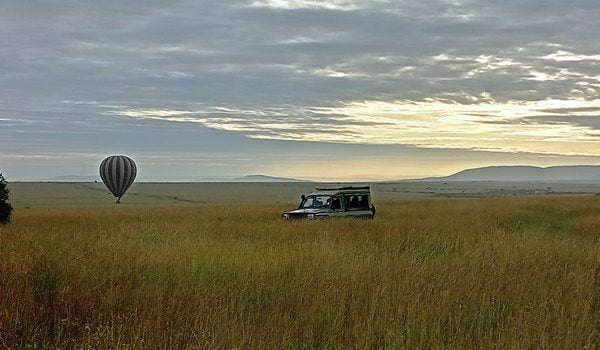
point(118, 173)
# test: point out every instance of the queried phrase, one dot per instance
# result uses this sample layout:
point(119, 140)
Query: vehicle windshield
point(316, 202)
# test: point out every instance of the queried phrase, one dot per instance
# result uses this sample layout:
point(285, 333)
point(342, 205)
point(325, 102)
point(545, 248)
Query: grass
point(431, 274)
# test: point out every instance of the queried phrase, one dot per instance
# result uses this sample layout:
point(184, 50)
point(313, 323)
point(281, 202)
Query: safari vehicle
point(334, 202)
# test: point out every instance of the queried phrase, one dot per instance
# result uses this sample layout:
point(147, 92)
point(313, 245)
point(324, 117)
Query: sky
point(328, 90)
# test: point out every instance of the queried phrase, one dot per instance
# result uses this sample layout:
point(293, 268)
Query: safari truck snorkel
point(334, 202)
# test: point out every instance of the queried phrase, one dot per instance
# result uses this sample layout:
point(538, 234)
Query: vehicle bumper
point(295, 216)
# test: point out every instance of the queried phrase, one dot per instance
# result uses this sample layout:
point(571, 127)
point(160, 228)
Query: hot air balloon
point(118, 173)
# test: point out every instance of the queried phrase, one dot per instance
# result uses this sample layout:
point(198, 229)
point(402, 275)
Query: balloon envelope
point(118, 173)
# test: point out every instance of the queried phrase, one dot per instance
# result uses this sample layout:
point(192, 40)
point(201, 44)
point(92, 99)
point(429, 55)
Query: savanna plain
point(504, 273)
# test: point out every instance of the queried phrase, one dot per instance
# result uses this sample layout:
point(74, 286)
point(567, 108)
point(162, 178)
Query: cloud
point(566, 56)
point(343, 5)
point(338, 71)
point(484, 124)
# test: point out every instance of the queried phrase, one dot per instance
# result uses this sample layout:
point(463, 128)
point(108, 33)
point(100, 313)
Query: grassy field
point(433, 274)
point(74, 194)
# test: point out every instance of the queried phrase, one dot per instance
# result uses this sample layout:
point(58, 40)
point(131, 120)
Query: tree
point(5, 207)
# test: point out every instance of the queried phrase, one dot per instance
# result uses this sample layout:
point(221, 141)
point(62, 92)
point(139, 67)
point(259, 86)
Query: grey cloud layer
point(189, 51)
point(291, 55)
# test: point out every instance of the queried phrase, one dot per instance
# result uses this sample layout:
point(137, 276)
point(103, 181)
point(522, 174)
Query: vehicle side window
point(363, 202)
point(351, 202)
point(357, 202)
point(317, 202)
point(347, 200)
point(336, 204)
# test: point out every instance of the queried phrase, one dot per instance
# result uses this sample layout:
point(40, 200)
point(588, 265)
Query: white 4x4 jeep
point(334, 202)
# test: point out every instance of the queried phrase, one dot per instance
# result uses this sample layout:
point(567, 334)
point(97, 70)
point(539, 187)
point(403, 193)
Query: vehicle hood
point(307, 211)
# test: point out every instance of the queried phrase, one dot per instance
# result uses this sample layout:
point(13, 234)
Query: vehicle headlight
point(310, 216)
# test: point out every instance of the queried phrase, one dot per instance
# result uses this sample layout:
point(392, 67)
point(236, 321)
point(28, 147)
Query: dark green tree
point(5, 207)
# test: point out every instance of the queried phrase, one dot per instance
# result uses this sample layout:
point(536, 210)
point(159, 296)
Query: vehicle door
point(364, 205)
point(337, 206)
point(349, 203)
point(357, 204)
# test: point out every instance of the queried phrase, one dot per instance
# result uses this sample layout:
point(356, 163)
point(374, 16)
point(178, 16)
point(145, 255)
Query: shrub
point(5, 207)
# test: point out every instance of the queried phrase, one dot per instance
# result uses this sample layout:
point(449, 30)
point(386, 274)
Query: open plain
point(214, 266)
point(81, 194)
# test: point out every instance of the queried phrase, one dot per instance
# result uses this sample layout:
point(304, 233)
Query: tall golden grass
point(493, 273)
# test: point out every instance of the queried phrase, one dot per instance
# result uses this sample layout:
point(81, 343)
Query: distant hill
point(525, 173)
point(265, 178)
point(74, 178)
point(247, 178)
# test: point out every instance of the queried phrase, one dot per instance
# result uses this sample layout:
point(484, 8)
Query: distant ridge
point(265, 178)
point(524, 173)
point(247, 178)
point(74, 178)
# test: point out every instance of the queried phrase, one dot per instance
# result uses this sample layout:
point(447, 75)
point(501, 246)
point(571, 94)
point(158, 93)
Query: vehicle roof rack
point(343, 188)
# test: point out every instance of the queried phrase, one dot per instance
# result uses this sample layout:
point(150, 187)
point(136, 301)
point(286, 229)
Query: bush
point(5, 207)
